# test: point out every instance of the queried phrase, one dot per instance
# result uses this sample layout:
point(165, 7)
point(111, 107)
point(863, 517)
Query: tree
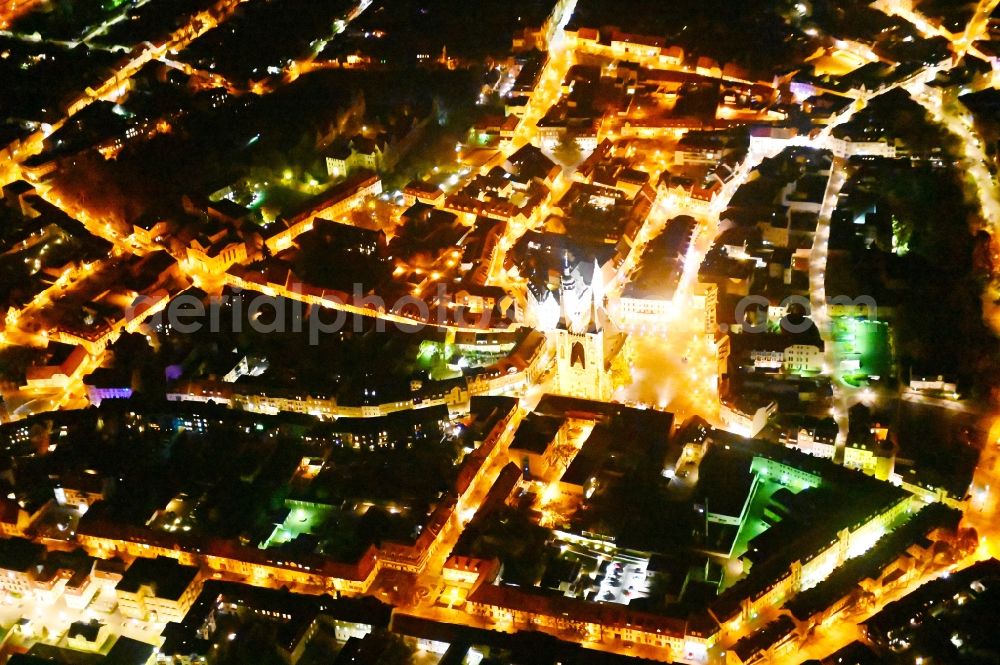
point(567, 151)
point(15, 361)
point(397, 651)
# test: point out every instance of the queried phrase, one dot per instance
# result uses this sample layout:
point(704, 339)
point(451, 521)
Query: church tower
point(582, 366)
point(584, 345)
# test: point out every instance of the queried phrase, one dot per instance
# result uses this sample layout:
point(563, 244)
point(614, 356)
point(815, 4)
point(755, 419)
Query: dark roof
point(590, 458)
point(763, 638)
point(536, 433)
point(127, 651)
point(776, 341)
point(810, 188)
point(47, 653)
point(530, 162)
point(168, 578)
point(422, 187)
point(9, 510)
point(118, 376)
point(724, 481)
point(87, 630)
point(20, 555)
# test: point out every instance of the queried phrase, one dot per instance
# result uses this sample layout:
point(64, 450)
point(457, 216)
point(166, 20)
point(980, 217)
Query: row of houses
point(164, 551)
point(511, 376)
point(649, 51)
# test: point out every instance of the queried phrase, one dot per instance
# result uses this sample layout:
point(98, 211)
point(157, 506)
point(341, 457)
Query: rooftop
point(165, 576)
